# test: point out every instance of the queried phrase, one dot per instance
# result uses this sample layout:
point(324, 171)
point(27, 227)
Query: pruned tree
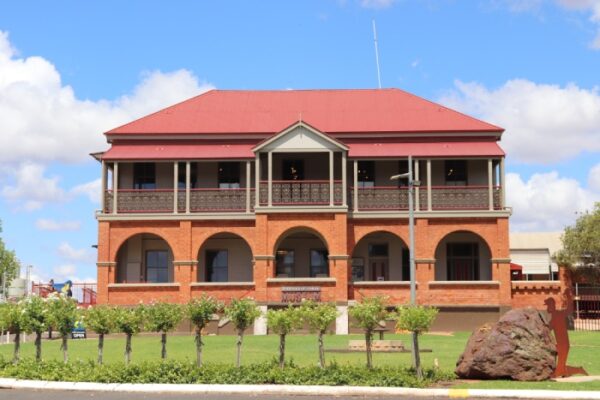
point(36, 319)
point(368, 314)
point(63, 315)
point(200, 311)
point(319, 317)
point(100, 320)
point(11, 320)
point(162, 318)
point(283, 322)
point(242, 314)
point(130, 322)
point(417, 320)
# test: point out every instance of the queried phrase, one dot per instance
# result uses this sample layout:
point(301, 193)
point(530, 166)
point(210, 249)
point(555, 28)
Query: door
point(293, 170)
point(379, 270)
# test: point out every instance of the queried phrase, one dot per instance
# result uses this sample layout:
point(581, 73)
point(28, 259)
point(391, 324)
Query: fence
point(586, 308)
point(84, 293)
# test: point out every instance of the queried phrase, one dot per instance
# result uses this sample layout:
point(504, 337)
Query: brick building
point(284, 195)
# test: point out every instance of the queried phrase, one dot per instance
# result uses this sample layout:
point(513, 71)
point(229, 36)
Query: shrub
point(368, 315)
point(36, 319)
point(101, 320)
point(200, 311)
point(283, 322)
point(163, 318)
point(242, 314)
point(130, 322)
point(417, 320)
point(319, 317)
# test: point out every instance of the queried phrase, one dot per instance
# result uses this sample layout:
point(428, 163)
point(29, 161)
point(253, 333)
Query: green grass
point(585, 347)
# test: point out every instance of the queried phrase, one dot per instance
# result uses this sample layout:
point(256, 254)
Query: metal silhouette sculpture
point(558, 323)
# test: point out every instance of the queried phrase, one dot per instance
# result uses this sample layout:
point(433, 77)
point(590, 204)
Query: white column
point(502, 184)
point(416, 177)
point(103, 186)
point(115, 184)
point(490, 184)
point(260, 324)
point(175, 186)
point(330, 177)
point(188, 186)
point(257, 181)
point(270, 178)
point(429, 197)
point(341, 322)
point(248, 177)
point(355, 184)
point(344, 180)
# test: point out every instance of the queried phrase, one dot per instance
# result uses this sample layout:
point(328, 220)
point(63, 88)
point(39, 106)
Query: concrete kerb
point(8, 383)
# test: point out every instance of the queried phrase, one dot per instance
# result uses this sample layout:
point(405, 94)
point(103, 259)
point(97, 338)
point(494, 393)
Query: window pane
point(229, 174)
point(157, 266)
point(144, 176)
point(378, 250)
point(216, 266)
point(284, 261)
point(318, 263)
point(366, 173)
point(456, 172)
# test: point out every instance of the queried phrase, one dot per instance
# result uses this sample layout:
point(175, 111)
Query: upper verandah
point(351, 111)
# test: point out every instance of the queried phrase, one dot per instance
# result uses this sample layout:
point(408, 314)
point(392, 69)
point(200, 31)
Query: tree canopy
point(8, 262)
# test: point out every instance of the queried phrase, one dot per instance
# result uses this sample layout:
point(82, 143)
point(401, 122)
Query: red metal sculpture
point(558, 323)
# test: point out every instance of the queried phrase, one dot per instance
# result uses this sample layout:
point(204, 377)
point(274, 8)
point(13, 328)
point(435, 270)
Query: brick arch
point(119, 240)
point(439, 242)
point(485, 264)
point(489, 231)
point(290, 231)
point(363, 233)
point(200, 236)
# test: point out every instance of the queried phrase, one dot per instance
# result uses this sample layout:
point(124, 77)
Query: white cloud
point(31, 188)
point(43, 120)
point(376, 4)
point(44, 224)
point(546, 202)
point(64, 272)
point(590, 6)
point(594, 178)
point(69, 253)
point(544, 123)
point(90, 189)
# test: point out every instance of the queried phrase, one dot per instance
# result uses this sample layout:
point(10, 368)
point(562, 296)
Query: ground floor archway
point(144, 258)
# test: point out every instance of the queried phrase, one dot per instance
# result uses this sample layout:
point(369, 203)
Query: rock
point(519, 346)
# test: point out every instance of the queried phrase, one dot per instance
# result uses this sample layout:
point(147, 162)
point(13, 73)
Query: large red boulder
point(519, 346)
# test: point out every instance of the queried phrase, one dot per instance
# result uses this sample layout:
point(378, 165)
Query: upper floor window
point(181, 176)
point(455, 172)
point(293, 170)
point(366, 174)
point(403, 168)
point(144, 176)
point(229, 175)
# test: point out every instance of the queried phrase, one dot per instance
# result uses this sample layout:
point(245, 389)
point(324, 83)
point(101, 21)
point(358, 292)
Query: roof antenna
point(376, 54)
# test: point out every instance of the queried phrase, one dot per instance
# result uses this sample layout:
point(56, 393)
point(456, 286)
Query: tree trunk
point(100, 348)
point(240, 337)
point(281, 351)
point(65, 348)
point(321, 350)
point(17, 353)
point(163, 342)
point(198, 340)
point(368, 338)
point(416, 355)
point(38, 346)
point(127, 348)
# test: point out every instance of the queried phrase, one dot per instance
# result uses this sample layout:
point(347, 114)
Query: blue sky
point(71, 70)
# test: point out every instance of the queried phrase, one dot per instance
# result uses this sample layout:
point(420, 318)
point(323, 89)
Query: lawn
point(585, 346)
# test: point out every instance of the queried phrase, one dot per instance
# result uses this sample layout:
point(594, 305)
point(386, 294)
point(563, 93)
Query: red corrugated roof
point(427, 149)
point(178, 151)
point(332, 111)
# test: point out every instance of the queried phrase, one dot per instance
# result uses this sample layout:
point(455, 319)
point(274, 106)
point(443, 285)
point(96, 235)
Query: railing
point(442, 198)
point(305, 192)
point(84, 293)
point(141, 201)
point(215, 200)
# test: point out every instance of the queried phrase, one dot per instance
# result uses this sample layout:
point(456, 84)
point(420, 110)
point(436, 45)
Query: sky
point(71, 70)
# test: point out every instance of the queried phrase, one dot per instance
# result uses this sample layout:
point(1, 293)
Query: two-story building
point(284, 195)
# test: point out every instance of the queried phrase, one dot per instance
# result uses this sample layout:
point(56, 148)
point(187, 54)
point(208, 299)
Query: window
point(229, 175)
point(157, 266)
point(366, 174)
point(405, 264)
point(144, 176)
point(293, 170)
point(378, 261)
point(378, 250)
point(455, 172)
point(284, 263)
point(403, 168)
point(463, 261)
point(319, 266)
point(216, 265)
point(181, 176)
